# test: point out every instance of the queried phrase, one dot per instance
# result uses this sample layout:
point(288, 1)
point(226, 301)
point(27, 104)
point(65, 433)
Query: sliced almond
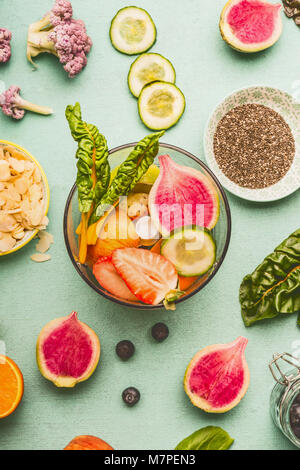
point(17, 165)
point(22, 184)
point(6, 243)
point(40, 257)
point(45, 240)
point(4, 170)
point(7, 222)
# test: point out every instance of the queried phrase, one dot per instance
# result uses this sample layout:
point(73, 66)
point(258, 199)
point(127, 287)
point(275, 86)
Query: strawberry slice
point(110, 280)
point(148, 275)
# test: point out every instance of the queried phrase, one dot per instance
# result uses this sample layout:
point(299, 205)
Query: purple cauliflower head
point(8, 101)
point(14, 106)
point(5, 49)
point(59, 34)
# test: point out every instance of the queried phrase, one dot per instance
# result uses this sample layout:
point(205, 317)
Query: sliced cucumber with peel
point(161, 105)
point(132, 31)
point(191, 249)
point(147, 68)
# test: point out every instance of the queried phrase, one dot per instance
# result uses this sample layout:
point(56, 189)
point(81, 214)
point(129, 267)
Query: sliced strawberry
point(110, 280)
point(148, 275)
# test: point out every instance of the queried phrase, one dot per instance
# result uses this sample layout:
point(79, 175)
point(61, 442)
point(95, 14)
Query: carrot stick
point(156, 247)
point(186, 282)
point(83, 239)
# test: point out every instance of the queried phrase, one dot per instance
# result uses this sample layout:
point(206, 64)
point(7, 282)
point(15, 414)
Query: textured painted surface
point(33, 294)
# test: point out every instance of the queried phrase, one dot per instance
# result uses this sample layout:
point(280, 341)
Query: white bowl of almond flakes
point(24, 197)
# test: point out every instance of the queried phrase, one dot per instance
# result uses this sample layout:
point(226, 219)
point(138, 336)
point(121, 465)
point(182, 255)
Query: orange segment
point(11, 386)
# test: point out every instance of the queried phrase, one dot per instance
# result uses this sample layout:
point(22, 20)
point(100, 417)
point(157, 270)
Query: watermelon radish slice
point(68, 351)
point(149, 276)
point(218, 377)
point(251, 25)
point(105, 273)
point(182, 196)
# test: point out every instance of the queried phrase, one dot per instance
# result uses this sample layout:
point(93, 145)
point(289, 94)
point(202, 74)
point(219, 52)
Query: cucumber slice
point(149, 68)
point(132, 31)
point(161, 105)
point(191, 249)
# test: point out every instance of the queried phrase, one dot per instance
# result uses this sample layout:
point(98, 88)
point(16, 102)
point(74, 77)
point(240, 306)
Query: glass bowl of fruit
point(158, 236)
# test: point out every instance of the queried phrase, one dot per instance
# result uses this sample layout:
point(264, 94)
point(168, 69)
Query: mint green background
point(33, 294)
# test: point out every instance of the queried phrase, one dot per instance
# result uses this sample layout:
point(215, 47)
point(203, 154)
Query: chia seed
point(254, 146)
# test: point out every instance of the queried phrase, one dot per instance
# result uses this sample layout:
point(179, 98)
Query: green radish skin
point(129, 15)
point(159, 90)
point(158, 67)
point(181, 270)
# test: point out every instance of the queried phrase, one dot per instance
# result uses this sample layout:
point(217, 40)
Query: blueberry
point(125, 349)
point(131, 396)
point(160, 332)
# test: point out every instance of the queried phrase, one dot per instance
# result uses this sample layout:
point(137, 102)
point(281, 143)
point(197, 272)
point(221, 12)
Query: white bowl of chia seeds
point(252, 143)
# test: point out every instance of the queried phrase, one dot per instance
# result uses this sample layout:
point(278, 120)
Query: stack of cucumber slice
point(151, 77)
point(149, 68)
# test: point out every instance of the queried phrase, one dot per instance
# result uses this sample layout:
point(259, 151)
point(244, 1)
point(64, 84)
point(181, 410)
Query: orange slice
point(11, 386)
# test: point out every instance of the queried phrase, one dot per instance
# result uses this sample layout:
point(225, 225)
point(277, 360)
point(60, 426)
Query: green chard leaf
point(92, 150)
point(274, 286)
point(208, 438)
point(129, 173)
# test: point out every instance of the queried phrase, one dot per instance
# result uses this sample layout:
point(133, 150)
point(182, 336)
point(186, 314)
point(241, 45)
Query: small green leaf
point(209, 438)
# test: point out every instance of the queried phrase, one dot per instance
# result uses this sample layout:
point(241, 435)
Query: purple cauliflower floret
point(59, 34)
point(5, 50)
point(13, 105)
point(62, 11)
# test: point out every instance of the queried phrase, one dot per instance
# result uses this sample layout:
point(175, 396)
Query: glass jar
point(285, 397)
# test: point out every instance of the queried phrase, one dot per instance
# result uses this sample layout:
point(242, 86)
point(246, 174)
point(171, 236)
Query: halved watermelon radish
point(148, 275)
point(251, 25)
point(218, 377)
point(68, 351)
point(105, 273)
point(182, 196)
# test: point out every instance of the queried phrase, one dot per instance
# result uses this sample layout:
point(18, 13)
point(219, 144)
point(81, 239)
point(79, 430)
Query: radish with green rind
point(218, 377)
point(251, 25)
point(68, 351)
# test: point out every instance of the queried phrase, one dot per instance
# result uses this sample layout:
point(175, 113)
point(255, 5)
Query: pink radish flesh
point(68, 349)
point(183, 196)
point(253, 21)
point(218, 377)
